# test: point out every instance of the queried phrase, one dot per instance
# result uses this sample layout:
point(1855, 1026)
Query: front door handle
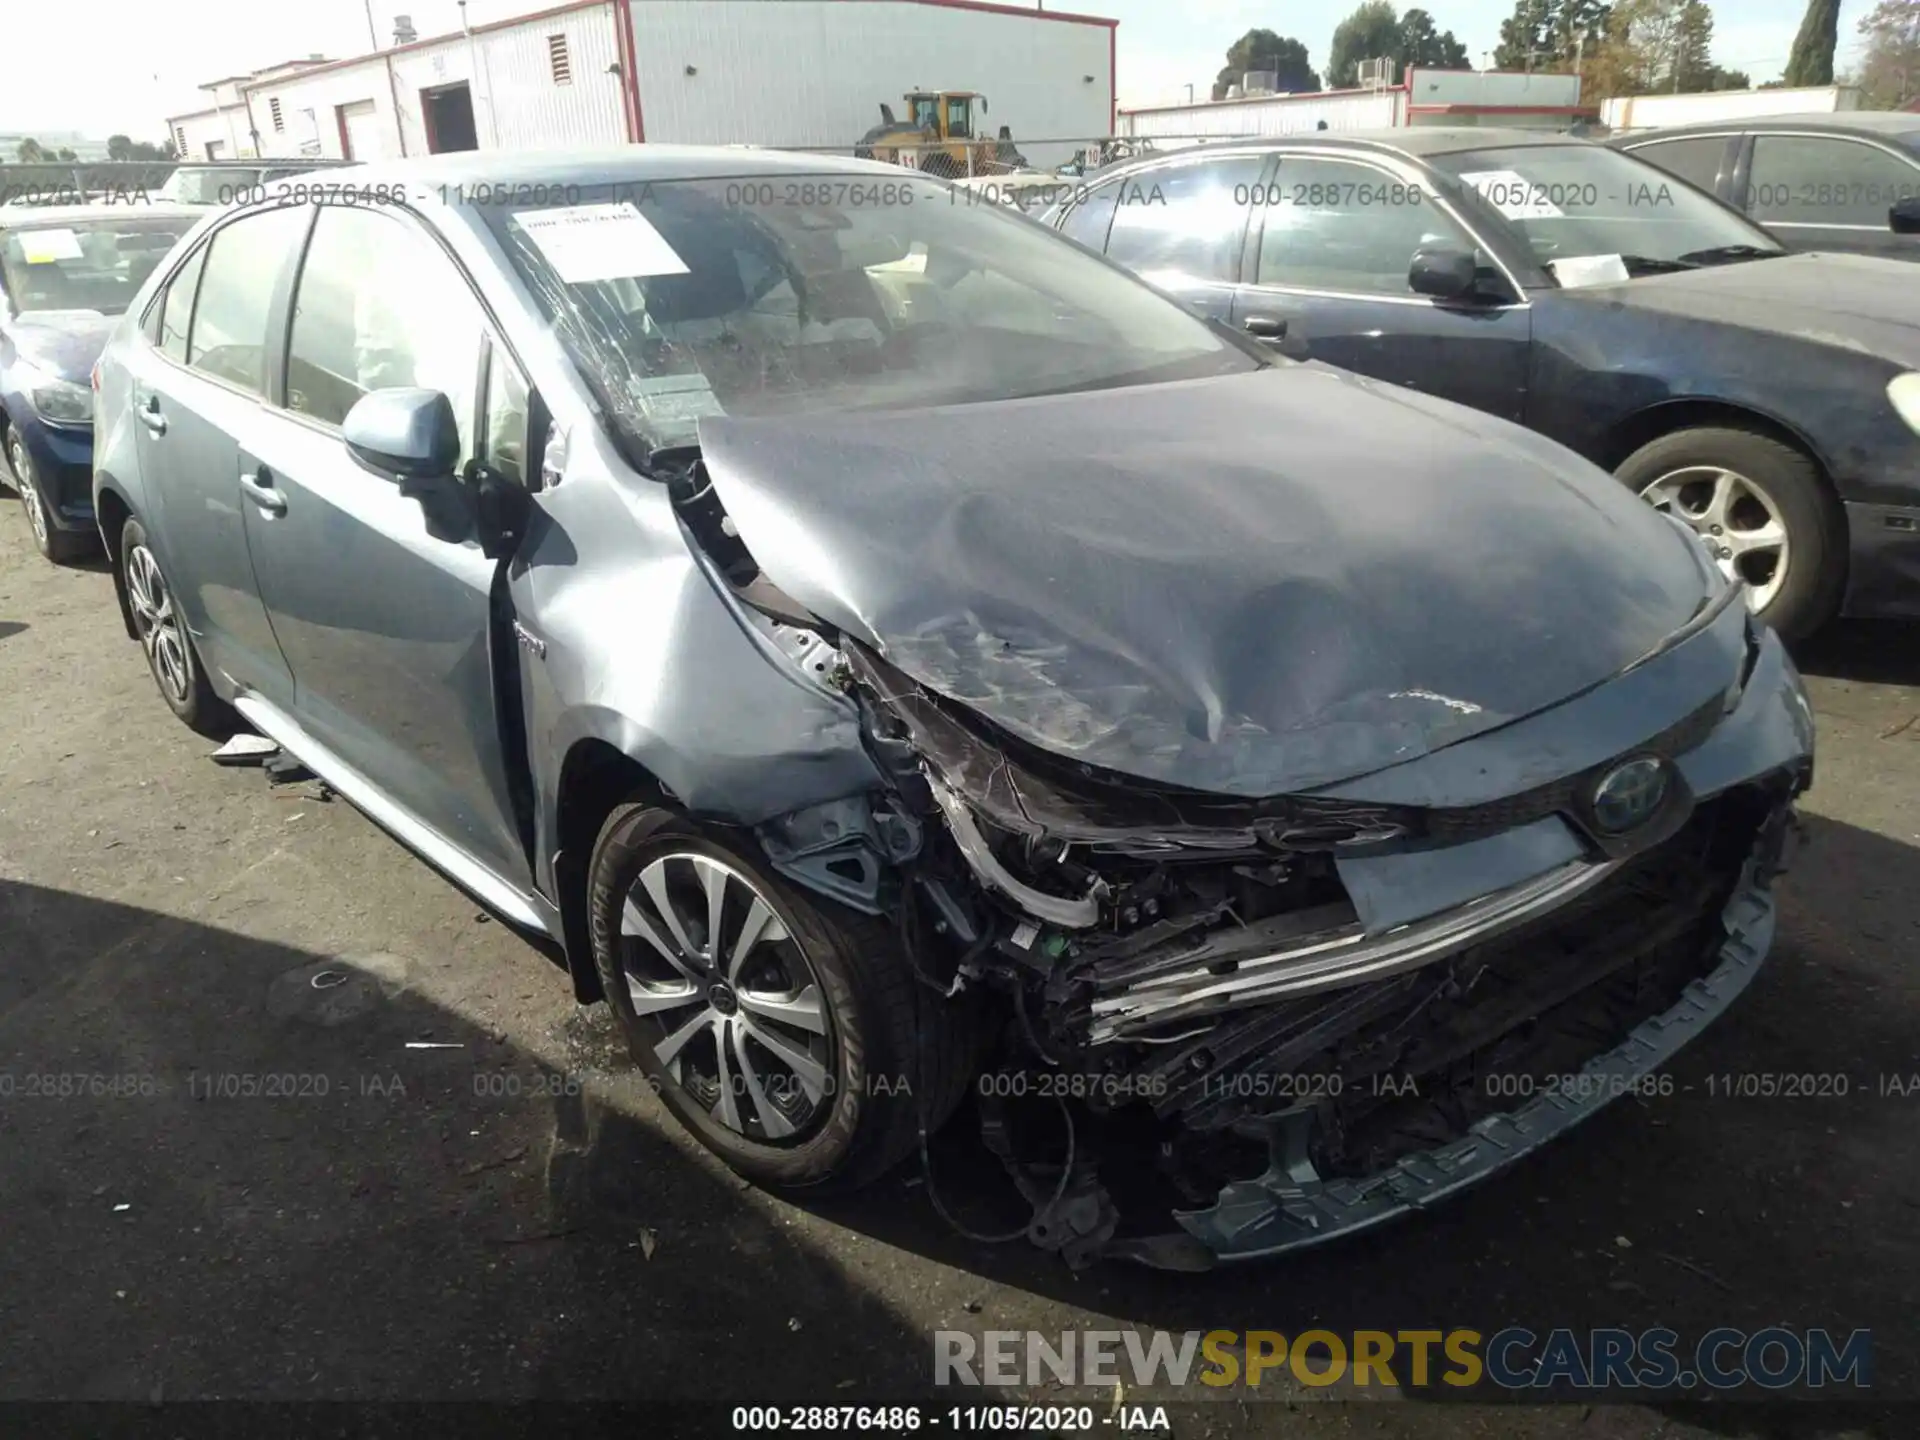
point(1276, 333)
point(261, 491)
point(151, 417)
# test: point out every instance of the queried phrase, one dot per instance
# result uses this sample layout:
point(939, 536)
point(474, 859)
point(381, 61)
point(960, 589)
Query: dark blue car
point(1766, 399)
point(65, 273)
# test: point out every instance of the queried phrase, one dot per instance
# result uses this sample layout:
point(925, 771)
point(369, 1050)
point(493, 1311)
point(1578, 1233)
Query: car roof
point(35, 216)
point(1859, 122)
point(1417, 142)
point(606, 165)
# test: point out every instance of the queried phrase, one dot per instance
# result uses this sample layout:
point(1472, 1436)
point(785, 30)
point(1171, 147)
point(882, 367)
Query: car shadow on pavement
point(227, 1174)
point(10, 628)
point(1881, 652)
point(1778, 1184)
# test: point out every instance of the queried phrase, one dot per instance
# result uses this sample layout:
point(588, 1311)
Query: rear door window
point(1089, 221)
point(1696, 159)
point(176, 307)
point(244, 264)
point(1189, 218)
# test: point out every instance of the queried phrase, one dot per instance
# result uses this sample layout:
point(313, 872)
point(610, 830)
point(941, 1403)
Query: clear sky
point(101, 66)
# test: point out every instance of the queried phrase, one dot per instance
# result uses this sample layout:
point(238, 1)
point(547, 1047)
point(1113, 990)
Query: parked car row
point(1849, 181)
point(894, 652)
point(1753, 393)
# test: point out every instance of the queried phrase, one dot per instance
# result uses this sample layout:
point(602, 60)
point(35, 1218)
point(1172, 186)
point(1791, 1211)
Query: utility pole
point(373, 35)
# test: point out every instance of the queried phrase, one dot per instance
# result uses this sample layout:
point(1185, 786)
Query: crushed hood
point(1249, 584)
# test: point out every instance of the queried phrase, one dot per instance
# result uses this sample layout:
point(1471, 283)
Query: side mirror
point(1442, 274)
point(1904, 217)
point(403, 434)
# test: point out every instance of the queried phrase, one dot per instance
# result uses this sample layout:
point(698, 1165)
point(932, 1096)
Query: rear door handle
point(260, 490)
point(151, 417)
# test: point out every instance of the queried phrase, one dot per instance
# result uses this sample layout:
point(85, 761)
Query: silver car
point(897, 654)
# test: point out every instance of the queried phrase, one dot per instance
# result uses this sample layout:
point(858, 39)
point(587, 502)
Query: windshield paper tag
point(1512, 194)
point(1577, 270)
point(585, 243)
point(43, 247)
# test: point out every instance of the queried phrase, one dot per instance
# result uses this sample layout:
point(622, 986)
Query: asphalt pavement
point(285, 1116)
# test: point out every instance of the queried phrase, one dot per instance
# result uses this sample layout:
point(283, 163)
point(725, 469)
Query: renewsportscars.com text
point(1515, 1358)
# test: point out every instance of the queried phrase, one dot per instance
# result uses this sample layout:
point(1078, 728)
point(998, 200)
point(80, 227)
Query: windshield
point(85, 264)
point(781, 294)
point(1586, 202)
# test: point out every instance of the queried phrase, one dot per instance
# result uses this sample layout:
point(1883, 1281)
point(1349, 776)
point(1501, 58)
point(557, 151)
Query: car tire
point(62, 547)
point(893, 1050)
point(1767, 475)
point(162, 631)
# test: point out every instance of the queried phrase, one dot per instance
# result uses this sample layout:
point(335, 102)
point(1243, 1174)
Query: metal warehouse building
point(803, 73)
point(1423, 97)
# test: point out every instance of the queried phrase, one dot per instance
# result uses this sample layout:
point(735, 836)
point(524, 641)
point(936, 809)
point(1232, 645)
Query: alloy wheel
point(1739, 521)
point(22, 465)
point(158, 623)
point(742, 1023)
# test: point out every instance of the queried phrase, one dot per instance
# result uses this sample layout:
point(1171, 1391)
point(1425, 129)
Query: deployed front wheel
point(786, 1033)
point(1762, 511)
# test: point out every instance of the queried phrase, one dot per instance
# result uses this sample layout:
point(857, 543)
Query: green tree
point(66, 154)
point(1551, 34)
point(119, 147)
point(1264, 50)
point(1525, 35)
point(31, 152)
point(1371, 32)
point(1422, 44)
point(1889, 73)
point(1810, 62)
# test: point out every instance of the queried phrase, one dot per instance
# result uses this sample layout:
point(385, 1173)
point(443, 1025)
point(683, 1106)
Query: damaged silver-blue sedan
point(900, 657)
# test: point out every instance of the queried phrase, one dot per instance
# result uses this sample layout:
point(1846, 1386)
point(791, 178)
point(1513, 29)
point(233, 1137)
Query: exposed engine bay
point(1242, 1061)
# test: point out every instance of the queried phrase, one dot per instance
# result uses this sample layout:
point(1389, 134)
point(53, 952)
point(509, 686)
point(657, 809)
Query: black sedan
point(1766, 398)
point(1849, 181)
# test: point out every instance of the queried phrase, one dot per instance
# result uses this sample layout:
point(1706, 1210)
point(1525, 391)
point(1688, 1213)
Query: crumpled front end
point(1205, 970)
point(1273, 1017)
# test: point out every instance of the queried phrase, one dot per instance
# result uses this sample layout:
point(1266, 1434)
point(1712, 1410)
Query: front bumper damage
point(1267, 1055)
point(1291, 1207)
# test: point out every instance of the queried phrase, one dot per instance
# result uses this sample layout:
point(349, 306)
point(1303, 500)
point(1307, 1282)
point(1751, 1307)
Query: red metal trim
point(627, 49)
point(340, 124)
point(1020, 10)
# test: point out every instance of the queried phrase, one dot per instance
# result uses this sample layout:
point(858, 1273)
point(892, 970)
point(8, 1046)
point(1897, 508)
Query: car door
point(1328, 266)
point(196, 395)
point(1829, 192)
point(1180, 225)
point(379, 594)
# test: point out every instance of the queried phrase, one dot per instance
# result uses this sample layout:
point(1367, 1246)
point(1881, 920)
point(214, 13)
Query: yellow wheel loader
point(939, 130)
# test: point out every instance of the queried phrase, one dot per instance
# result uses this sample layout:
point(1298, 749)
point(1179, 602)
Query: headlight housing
point(57, 401)
point(1904, 392)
